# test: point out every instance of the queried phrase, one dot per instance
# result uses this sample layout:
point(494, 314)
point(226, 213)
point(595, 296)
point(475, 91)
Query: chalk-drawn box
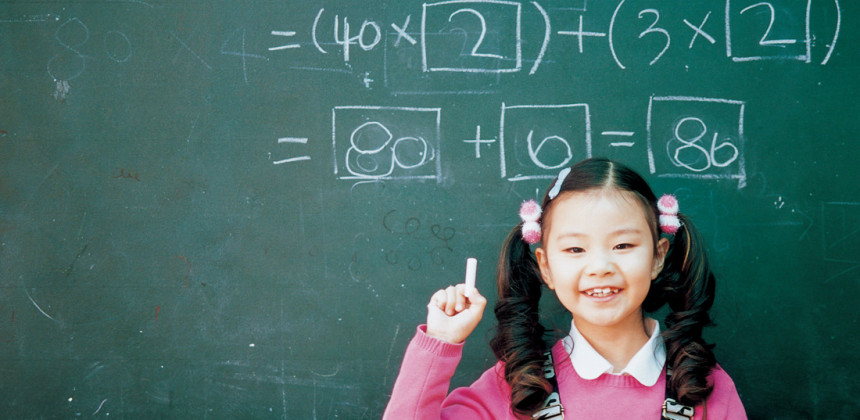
point(841, 226)
point(472, 36)
point(692, 137)
point(373, 142)
point(536, 141)
point(773, 30)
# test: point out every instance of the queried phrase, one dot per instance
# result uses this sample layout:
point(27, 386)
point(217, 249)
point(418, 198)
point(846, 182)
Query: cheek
point(565, 273)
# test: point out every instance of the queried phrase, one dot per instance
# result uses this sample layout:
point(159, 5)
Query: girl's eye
point(623, 246)
point(575, 250)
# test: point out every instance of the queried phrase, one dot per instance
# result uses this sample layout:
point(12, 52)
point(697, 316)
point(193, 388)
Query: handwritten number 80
point(685, 155)
point(74, 34)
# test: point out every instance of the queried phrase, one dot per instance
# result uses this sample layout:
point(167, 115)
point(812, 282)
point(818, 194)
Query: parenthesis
point(611, 29)
point(351, 273)
point(385, 221)
point(546, 36)
point(835, 33)
point(314, 31)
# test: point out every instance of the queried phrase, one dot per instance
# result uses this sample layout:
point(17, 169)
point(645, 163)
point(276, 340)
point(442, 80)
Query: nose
point(600, 264)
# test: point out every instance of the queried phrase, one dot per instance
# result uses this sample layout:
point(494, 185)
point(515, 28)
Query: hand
point(452, 316)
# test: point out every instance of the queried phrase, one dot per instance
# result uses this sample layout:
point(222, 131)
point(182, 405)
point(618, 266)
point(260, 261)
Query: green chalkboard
point(239, 209)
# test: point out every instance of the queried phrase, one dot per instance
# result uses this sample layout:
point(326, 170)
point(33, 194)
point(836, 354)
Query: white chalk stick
point(471, 272)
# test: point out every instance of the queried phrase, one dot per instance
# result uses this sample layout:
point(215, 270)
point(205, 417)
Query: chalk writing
point(697, 30)
point(450, 23)
point(536, 140)
point(293, 140)
point(840, 221)
point(487, 36)
point(184, 47)
point(370, 150)
point(581, 33)
point(687, 137)
point(117, 46)
point(240, 52)
point(694, 145)
point(413, 229)
point(73, 35)
point(285, 46)
point(478, 142)
point(755, 16)
point(346, 40)
point(402, 34)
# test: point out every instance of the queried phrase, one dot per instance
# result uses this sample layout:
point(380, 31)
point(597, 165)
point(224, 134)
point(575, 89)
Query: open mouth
point(602, 292)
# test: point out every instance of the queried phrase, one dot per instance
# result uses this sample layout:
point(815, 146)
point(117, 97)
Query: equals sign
point(292, 140)
point(620, 134)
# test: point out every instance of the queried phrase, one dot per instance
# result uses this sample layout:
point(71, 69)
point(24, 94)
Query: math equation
point(686, 137)
point(489, 36)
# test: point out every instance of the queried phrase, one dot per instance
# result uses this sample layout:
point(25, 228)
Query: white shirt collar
point(646, 365)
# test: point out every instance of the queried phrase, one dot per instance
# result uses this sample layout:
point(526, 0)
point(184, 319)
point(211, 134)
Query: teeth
point(601, 292)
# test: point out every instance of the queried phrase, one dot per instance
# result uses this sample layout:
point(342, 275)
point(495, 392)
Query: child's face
point(598, 255)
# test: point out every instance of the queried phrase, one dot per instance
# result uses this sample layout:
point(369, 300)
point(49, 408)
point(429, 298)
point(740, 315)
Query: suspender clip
point(672, 410)
point(552, 409)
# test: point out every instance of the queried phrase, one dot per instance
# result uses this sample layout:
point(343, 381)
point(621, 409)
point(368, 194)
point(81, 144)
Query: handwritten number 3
point(651, 29)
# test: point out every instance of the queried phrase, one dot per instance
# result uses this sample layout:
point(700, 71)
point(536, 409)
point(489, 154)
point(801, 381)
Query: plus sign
point(580, 34)
point(478, 142)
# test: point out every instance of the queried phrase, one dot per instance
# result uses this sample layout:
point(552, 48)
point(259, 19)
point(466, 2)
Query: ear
point(543, 264)
point(659, 257)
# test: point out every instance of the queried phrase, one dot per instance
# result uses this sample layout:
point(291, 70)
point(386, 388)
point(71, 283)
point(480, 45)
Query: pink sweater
point(421, 390)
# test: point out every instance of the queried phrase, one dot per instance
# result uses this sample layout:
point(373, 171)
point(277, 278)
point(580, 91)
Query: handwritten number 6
point(652, 29)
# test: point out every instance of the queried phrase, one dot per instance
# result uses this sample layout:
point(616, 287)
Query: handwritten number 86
point(687, 155)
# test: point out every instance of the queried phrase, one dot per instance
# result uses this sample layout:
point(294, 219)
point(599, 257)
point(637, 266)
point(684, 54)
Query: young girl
point(601, 252)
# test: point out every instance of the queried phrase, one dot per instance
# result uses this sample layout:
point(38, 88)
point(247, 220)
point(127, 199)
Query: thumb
point(477, 302)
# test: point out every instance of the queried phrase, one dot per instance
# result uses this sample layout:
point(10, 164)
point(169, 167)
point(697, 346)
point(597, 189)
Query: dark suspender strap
point(552, 409)
point(672, 410)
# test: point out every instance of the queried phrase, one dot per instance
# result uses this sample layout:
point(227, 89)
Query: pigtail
point(687, 285)
point(519, 340)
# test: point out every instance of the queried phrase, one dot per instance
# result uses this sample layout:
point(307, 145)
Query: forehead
point(599, 209)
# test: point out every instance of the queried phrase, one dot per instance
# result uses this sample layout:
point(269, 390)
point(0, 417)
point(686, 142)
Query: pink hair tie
point(668, 206)
point(530, 214)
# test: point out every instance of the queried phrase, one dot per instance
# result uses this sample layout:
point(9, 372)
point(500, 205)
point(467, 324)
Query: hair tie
point(557, 187)
point(530, 214)
point(668, 206)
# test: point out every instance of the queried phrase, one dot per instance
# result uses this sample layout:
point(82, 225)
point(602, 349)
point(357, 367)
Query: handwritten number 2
point(483, 22)
point(653, 29)
point(764, 39)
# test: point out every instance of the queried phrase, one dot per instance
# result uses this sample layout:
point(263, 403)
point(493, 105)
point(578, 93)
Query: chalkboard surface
point(239, 209)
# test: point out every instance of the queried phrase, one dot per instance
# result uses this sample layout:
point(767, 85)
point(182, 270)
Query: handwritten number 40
point(691, 148)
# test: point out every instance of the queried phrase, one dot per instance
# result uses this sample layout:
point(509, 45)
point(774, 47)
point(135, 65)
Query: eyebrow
point(616, 232)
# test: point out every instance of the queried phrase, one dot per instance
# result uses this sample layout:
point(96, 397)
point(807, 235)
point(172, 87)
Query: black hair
point(686, 284)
